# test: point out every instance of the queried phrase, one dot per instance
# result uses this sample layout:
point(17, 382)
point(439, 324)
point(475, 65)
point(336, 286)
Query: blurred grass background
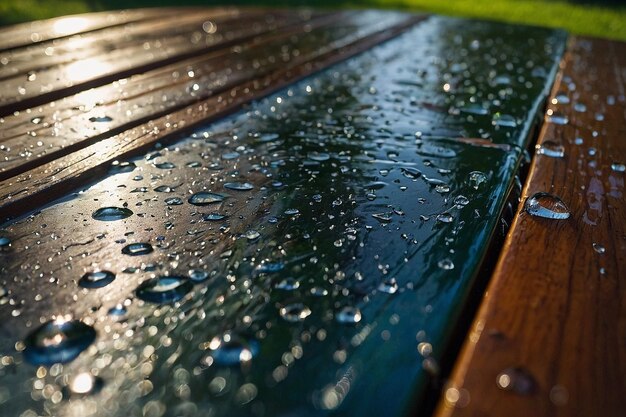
point(604, 18)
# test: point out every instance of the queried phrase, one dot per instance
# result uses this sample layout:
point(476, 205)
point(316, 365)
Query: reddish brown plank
point(39, 135)
point(80, 73)
point(550, 337)
point(31, 33)
point(35, 187)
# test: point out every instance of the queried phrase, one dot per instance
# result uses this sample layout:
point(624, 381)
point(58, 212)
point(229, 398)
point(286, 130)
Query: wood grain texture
point(30, 189)
point(555, 309)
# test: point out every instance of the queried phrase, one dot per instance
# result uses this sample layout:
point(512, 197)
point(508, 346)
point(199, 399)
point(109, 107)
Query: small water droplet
point(164, 189)
point(618, 167)
point(445, 218)
point(198, 275)
point(213, 217)
point(551, 149)
point(599, 248)
point(100, 119)
point(173, 201)
point(97, 279)
point(382, 217)
point(288, 284)
point(118, 310)
point(85, 384)
point(108, 214)
point(504, 120)
point(546, 205)
point(348, 315)
point(118, 167)
point(412, 173)
point(461, 201)
point(204, 198)
point(231, 350)
point(165, 165)
point(557, 118)
point(294, 313)
point(58, 341)
point(446, 264)
point(291, 212)
point(389, 286)
point(476, 178)
point(4, 242)
point(517, 380)
point(319, 156)
point(36, 120)
point(164, 289)
point(319, 292)
point(137, 249)
point(252, 235)
point(239, 186)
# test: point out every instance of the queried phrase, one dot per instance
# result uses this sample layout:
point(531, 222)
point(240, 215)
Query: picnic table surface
point(275, 212)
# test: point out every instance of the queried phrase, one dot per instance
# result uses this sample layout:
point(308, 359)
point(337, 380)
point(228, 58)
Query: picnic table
point(272, 212)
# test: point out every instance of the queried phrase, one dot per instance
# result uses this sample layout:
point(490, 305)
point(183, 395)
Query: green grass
point(605, 19)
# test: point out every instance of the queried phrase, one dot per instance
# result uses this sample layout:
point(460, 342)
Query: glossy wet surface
point(308, 255)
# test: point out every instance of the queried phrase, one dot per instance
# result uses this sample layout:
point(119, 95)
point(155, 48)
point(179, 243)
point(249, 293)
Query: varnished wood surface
point(31, 188)
point(554, 317)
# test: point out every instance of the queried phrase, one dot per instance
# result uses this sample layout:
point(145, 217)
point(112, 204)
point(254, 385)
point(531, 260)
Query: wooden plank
point(26, 191)
point(25, 34)
point(68, 78)
point(66, 125)
point(549, 338)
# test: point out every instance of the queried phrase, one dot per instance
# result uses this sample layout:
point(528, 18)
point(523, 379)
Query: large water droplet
point(551, 149)
point(517, 380)
point(239, 186)
point(137, 249)
point(295, 312)
point(546, 205)
point(108, 214)
point(97, 279)
point(204, 198)
point(348, 315)
point(164, 289)
point(58, 341)
point(230, 350)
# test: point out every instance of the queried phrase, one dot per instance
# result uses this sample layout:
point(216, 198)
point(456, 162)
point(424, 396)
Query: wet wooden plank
point(77, 74)
point(66, 125)
point(25, 34)
point(28, 190)
point(549, 338)
point(358, 204)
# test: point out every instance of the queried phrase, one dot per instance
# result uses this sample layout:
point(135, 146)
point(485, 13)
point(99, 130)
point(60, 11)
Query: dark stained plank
point(32, 33)
point(26, 191)
point(374, 185)
point(549, 339)
point(71, 77)
point(74, 122)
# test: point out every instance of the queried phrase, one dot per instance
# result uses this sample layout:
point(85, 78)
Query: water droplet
point(551, 149)
point(230, 155)
point(173, 201)
point(230, 350)
point(164, 289)
point(164, 189)
point(198, 275)
point(165, 165)
point(599, 248)
point(319, 292)
point(270, 267)
point(239, 186)
point(252, 235)
point(442, 188)
point(445, 218)
point(476, 178)
point(348, 315)
point(137, 249)
point(461, 201)
point(118, 310)
point(97, 279)
point(100, 119)
point(288, 284)
point(294, 313)
point(517, 380)
point(618, 167)
point(58, 341)
point(108, 214)
point(557, 118)
point(118, 167)
point(36, 120)
point(561, 98)
point(319, 156)
point(382, 217)
point(389, 286)
point(213, 217)
point(204, 198)
point(85, 384)
point(580, 107)
point(504, 120)
point(412, 173)
point(4, 242)
point(446, 264)
point(291, 212)
point(546, 205)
